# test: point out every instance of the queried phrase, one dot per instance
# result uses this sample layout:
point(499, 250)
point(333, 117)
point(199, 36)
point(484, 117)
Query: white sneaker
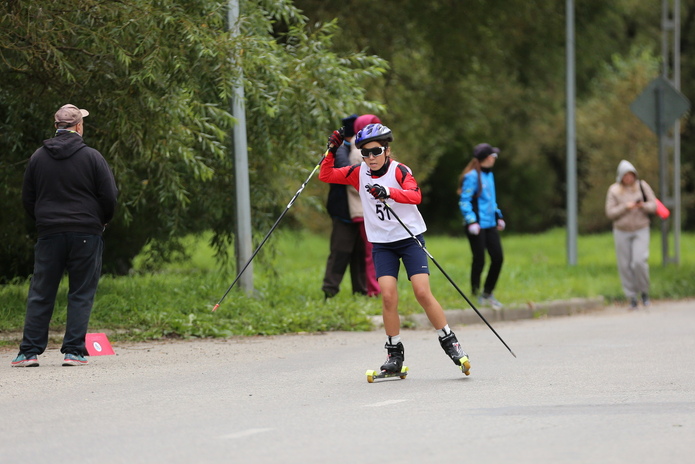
point(491, 301)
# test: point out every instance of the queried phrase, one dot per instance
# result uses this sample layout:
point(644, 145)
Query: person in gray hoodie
point(629, 202)
point(70, 193)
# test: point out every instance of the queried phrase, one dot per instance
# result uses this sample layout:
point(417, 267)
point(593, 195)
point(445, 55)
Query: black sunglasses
point(376, 151)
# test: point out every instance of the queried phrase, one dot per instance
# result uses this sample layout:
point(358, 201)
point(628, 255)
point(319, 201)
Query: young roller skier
point(380, 179)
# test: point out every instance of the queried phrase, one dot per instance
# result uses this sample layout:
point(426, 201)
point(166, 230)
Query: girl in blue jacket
point(483, 220)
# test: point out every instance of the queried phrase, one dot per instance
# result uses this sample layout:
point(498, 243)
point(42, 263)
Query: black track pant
point(347, 248)
point(488, 239)
point(80, 255)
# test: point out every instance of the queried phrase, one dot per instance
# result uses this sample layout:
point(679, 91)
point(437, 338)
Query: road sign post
point(660, 106)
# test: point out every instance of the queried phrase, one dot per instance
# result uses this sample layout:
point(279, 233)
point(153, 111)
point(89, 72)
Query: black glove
point(335, 140)
point(377, 191)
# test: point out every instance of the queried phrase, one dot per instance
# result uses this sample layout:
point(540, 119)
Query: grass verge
point(177, 301)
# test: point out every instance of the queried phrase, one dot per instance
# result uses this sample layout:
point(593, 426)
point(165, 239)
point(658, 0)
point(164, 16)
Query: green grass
point(177, 301)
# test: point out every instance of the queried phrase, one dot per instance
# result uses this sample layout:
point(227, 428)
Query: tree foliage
point(608, 131)
point(467, 72)
point(159, 76)
point(158, 79)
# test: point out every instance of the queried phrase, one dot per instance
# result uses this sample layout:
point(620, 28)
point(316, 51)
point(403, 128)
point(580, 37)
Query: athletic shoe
point(23, 360)
point(74, 360)
point(645, 299)
point(486, 299)
point(633, 303)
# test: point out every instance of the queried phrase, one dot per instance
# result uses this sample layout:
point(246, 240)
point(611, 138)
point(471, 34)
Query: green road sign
point(660, 93)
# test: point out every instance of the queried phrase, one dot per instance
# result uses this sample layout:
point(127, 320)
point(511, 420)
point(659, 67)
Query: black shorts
point(387, 258)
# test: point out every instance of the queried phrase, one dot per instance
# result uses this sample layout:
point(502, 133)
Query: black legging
point(488, 239)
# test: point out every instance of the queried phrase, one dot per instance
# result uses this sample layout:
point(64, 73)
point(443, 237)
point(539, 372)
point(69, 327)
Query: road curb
point(513, 313)
point(454, 316)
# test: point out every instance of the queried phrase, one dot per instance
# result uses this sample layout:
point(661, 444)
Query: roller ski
point(452, 348)
point(393, 367)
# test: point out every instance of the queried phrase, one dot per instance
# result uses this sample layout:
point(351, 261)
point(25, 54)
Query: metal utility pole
point(243, 241)
point(670, 137)
point(571, 140)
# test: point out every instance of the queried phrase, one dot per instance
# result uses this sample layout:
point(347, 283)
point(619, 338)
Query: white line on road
point(383, 403)
point(245, 433)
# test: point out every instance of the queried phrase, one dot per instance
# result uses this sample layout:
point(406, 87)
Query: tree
point(466, 72)
point(608, 132)
point(157, 78)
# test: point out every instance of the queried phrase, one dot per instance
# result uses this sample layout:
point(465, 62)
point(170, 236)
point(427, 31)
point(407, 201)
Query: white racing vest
point(380, 224)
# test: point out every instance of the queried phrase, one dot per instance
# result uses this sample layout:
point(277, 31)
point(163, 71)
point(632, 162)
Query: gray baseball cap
point(70, 115)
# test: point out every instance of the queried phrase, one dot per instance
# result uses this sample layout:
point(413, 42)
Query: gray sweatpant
point(632, 251)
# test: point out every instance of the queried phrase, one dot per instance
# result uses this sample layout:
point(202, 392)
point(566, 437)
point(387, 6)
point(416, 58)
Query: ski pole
point(287, 208)
point(446, 275)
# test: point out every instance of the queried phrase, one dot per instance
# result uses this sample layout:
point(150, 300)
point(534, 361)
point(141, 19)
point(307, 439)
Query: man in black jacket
point(70, 192)
point(346, 245)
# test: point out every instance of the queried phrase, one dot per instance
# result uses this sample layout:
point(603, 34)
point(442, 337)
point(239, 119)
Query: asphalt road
point(608, 387)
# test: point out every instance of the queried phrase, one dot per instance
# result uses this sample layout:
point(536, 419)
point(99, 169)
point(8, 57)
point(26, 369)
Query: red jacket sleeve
point(411, 193)
point(348, 175)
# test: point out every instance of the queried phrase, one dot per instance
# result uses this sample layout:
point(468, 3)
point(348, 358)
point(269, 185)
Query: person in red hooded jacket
point(355, 205)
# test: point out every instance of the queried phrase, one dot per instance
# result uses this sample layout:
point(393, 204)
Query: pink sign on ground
point(98, 344)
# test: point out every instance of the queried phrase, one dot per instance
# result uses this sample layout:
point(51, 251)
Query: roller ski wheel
point(465, 365)
point(373, 375)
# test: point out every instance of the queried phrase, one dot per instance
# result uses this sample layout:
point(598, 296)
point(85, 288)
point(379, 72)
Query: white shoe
point(491, 301)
